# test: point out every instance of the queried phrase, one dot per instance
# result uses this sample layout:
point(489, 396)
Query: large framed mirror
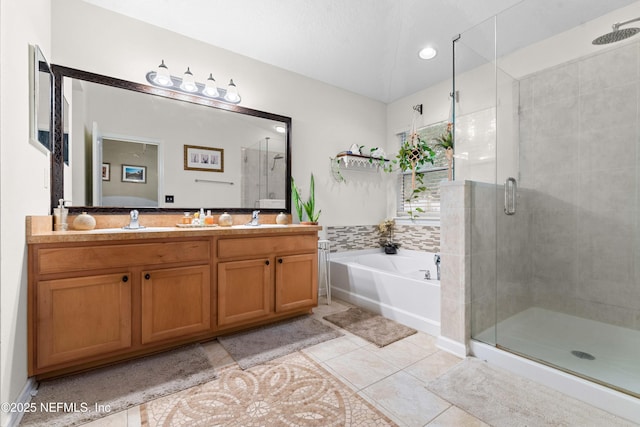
point(137, 146)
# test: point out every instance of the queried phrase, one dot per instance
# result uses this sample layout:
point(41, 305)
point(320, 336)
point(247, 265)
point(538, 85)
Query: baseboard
point(29, 390)
point(451, 346)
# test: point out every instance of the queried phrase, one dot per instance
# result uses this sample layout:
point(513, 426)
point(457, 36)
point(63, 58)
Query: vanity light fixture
point(188, 84)
point(428, 53)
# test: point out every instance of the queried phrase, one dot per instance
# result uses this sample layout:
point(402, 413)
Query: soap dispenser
point(60, 216)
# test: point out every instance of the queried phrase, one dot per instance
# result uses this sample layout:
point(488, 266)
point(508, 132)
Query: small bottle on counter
point(186, 219)
point(208, 219)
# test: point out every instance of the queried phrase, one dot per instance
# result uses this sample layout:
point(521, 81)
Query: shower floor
point(606, 353)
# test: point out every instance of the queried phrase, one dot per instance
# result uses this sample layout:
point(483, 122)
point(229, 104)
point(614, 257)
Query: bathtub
point(391, 285)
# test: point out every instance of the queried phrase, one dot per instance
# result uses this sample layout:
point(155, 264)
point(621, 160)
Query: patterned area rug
point(105, 391)
point(266, 343)
point(370, 326)
point(290, 391)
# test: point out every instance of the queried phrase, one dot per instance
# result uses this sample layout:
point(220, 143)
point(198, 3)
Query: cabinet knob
point(147, 276)
point(125, 278)
point(267, 262)
point(279, 260)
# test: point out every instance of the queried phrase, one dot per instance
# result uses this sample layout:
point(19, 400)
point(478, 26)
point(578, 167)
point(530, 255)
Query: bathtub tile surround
point(358, 237)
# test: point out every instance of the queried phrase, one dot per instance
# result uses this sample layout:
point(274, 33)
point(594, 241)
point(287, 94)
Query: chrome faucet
point(254, 218)
point(436, 259)
point(133, 221)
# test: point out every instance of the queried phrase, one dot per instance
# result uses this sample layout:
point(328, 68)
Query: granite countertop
point(39, 230)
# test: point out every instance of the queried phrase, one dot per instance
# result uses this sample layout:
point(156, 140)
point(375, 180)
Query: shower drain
point(583, 355)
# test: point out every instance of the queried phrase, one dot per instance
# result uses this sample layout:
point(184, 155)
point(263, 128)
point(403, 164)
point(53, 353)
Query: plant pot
point(390, 250)
point(308, 223)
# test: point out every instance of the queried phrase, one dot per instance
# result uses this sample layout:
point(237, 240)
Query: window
point(428, 201)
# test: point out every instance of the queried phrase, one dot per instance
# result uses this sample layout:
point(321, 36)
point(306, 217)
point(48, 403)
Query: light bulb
point(232, 92)
point(210, 87)
point(188, 82)
point(162, 75)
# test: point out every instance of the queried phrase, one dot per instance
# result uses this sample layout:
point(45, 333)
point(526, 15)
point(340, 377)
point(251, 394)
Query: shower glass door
point(548, 135)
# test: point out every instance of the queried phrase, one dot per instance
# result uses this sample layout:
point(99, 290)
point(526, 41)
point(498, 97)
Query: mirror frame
point(59, 72)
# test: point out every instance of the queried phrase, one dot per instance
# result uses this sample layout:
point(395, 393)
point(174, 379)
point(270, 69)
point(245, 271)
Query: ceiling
point(369, 47)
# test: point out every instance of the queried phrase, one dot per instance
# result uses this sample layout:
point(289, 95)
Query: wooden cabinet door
point(244, 290)
point(176, 302)
point(296, 282)
point(82, 317)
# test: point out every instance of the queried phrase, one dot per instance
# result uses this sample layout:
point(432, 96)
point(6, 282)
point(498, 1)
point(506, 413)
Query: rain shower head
point(617, 34)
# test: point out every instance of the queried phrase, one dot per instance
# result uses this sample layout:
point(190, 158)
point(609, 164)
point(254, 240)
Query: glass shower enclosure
point(548, 136)
point(264, 169)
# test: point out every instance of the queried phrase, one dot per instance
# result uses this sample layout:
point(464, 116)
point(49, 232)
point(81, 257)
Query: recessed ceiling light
point(281, 129)
point(428, 53)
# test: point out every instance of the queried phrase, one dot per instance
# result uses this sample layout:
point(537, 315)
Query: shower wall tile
point(605, 148)
point(556, 83)
point(556, 119)
point(608, 108)
point(607, 191)
point(611, 68)
point(523, 91)
point(555, 155)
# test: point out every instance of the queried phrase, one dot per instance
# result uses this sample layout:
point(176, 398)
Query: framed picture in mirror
point(135, 174)
point(200, 158)
point(106, 171)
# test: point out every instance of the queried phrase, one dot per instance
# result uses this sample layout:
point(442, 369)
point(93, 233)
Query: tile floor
point(392, 378)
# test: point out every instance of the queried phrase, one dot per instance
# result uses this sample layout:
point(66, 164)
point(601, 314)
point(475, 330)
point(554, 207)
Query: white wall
point(326, 119)
point(22, 182)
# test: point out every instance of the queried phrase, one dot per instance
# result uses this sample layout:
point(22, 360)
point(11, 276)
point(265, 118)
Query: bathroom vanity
point(100, 296)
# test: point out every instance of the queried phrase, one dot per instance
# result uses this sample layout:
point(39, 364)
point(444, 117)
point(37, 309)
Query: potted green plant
point(445, 141)
point(414, 153)
point(308, 206)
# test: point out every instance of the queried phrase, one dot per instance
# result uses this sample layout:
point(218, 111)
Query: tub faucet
point(436, 259)
point(254, 218)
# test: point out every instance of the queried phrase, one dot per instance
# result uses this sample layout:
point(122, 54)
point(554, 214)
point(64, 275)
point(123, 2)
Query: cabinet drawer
point(249, 247)
point(67, 259)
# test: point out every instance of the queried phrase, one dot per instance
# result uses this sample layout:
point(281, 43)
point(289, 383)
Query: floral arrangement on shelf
point(386, 228)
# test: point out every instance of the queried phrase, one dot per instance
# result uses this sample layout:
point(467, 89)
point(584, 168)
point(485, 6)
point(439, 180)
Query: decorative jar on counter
point(282, 219)
point(84, 221)
point(225, 220)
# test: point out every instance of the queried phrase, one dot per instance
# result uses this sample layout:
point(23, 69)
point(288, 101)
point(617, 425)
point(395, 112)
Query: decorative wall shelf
point(359, 161)
point(356, 162)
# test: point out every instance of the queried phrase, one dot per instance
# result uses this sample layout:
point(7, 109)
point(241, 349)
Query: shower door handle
point(510, 190)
